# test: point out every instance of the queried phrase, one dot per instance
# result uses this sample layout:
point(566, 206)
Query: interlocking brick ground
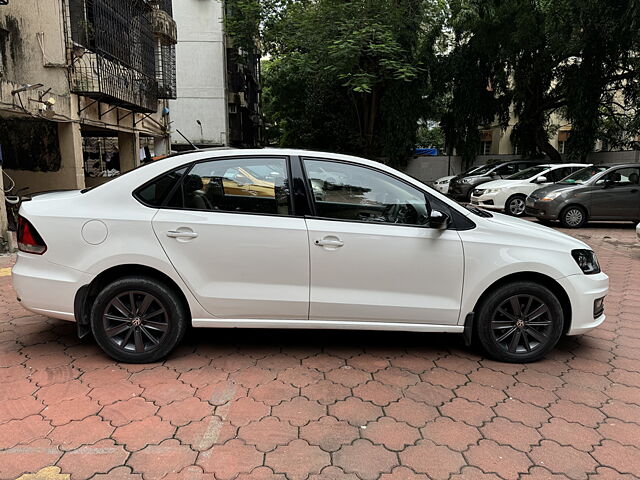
point(327, 405)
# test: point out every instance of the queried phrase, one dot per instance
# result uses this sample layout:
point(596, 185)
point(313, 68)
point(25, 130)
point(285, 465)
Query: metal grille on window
point(111, 52)
point(166, 71)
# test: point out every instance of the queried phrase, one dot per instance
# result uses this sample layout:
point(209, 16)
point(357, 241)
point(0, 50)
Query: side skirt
point(322, 324)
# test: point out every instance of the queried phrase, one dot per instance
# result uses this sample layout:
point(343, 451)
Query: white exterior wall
point(201, 73)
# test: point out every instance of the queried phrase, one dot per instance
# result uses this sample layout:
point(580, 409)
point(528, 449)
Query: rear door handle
point(181, 234)
point(330, 242)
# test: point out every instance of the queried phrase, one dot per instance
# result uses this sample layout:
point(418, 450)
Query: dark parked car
point(461, 186)
point(600, 192)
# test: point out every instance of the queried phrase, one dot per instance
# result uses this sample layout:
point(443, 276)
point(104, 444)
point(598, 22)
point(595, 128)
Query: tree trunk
point(543, 144)
point(370, 114)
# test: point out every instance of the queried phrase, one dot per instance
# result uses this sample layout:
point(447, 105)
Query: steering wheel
point(400, 213)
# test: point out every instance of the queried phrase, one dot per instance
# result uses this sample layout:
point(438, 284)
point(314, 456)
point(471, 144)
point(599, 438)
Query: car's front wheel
point(573, 216)
point(515, 205)
point(519, 322)
point(138, 319)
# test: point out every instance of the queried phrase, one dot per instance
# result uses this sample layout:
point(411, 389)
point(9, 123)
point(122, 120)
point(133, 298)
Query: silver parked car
point(599, 192)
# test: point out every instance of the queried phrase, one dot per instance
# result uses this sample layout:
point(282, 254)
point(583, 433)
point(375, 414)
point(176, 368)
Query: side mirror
point(439, 220)
point(493, 174)
point(541, 179)
point(608, 183)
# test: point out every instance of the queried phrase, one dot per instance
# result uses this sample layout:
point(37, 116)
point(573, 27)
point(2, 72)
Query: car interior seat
point(193, 195)
point(634, 178)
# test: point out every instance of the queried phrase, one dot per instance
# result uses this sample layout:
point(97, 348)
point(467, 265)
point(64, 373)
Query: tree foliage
point(548, 60)
point(349, 76)
point(356, 76)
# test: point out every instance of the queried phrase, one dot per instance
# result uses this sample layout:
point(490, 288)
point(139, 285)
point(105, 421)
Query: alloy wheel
point(135, 321)
point(516, 207)
point(521, 324)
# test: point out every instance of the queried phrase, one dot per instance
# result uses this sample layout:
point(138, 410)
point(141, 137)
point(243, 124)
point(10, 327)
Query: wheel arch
point(541, 279)
point(87, 294)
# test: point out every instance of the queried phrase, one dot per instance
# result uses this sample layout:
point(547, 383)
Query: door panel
point(239, 265)
point(620, 200)
point(373, 255)
point(384, 273)
point(227, 230)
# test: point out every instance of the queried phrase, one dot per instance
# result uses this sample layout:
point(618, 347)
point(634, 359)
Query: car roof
point(616, 165)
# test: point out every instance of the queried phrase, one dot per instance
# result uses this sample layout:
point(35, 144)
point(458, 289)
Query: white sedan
point(508, 195)
point(240, 238)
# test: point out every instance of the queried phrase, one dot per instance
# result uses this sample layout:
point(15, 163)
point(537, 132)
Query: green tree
point(576, 59)
point(349, 76)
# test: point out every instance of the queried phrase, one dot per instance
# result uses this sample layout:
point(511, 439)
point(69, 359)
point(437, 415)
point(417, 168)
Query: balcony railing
point(112, 52)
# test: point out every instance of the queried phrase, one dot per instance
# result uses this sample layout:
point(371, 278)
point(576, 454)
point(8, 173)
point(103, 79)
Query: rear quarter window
point(155, 192)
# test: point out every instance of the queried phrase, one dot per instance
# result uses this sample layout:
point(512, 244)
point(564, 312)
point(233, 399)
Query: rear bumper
point(47, 288)
point(583, 291)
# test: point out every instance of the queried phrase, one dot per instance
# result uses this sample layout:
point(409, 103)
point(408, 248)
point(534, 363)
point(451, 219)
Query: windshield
point(582, 176)
point(528, 173)
point(479, 170)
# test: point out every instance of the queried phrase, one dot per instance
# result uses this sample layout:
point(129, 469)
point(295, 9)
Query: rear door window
point(243, 185)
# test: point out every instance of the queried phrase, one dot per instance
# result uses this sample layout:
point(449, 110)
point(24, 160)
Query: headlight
point(551, 196)
point(492, 190)
point(586, 260)
point(466, 180)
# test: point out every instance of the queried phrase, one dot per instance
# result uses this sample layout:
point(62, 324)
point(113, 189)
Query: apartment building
point(219, 83)
point(84, 87)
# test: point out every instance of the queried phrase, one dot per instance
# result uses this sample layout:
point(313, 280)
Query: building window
point(563, 138)
point(562, 146)
point(486, 139)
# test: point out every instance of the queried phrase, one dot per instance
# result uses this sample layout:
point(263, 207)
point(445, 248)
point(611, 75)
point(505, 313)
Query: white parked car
point(442, 184)
point(181, 241)
point(508, 195)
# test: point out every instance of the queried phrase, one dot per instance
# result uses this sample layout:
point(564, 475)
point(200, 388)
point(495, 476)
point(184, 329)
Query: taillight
point(29, 240)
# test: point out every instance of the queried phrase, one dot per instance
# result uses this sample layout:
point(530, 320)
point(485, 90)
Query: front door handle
point(333, 242)
point(181, 234)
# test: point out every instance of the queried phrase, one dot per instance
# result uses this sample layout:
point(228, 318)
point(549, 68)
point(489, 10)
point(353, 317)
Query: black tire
point(144, 334)
point(574, 216)
point(515, 205)
point(507, 336)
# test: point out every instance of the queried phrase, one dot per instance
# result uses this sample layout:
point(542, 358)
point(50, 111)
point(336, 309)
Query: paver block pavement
point(322, 405)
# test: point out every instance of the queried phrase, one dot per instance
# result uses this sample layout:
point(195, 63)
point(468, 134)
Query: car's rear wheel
point(573, 216)
point(519, 322)
point(515, 205)
point(138, 319)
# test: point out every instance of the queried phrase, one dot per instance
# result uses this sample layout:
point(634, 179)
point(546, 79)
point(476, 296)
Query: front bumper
point(544, 210)
point(441, 187)
point(583, 291)
point(460, 191)
point(47, 288)
point(489, 201)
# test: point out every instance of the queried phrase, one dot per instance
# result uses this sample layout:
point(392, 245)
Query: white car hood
point(501, 184)
point(532, 233)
